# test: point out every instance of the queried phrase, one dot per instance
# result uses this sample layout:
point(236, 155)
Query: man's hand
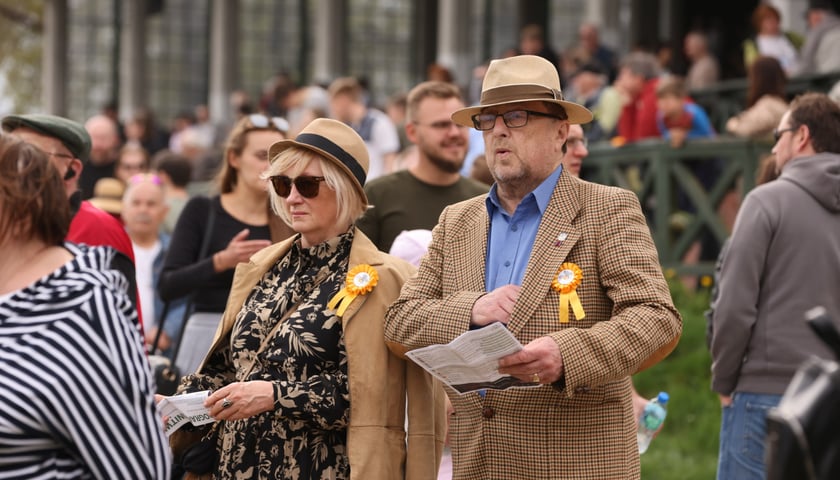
point(540, 361)
point(725, 400)
point(639, 403)
point(496, 306)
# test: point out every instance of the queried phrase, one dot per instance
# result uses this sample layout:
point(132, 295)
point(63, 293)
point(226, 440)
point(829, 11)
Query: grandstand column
point(453, 41)
point(132, 67)
point(224, 58)
point(54, 61)
point(330, 40)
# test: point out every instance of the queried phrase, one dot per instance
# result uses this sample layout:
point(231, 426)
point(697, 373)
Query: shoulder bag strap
point(268, 338)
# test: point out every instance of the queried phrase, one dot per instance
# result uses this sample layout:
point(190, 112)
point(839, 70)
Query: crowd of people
point(329, 238)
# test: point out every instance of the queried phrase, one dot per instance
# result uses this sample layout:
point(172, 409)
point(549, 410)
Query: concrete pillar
point(593, 12)
point(792, 14)
point(224, 59)
point(453, 41)
point(330, 40)
point(54, 62)
point(132, 66)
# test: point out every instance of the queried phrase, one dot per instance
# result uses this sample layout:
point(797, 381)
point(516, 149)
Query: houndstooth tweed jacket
point(586, 429)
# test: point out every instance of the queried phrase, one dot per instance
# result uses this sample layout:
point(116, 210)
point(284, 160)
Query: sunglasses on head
point(307, 186)
point(259, 120)
point(144, 177)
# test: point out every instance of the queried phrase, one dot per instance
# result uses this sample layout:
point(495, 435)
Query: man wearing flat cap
point(68, 145)
point(569, 267)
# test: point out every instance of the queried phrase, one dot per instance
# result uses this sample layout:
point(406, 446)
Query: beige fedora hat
point(107, 195)
point(336, 142)
point(524, 78)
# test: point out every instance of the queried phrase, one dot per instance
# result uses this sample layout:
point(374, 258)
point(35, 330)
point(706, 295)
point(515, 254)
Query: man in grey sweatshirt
point(783, 259)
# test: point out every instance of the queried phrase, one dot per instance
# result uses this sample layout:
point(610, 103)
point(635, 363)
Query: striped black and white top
point(76, 392)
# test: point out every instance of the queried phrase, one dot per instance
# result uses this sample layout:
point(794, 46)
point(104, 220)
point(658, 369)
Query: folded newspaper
point(183, 409)
point(471, 361)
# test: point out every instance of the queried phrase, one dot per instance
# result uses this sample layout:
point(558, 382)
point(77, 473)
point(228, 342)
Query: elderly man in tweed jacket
point(569, 267)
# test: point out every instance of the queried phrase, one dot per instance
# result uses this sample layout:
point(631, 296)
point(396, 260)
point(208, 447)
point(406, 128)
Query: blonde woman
point(303, 384)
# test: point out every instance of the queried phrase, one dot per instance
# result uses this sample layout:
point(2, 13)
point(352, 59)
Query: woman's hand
point(238, 250)
point(241, 400)
point(164, 342)
point(158, 399)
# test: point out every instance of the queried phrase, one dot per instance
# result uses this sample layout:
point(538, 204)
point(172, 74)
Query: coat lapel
point(363, 251)
point(247, 275)
point(473, 246)
point(556, 236)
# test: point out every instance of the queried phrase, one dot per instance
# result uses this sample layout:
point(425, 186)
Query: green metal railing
point(657, 173)
point(727, 98)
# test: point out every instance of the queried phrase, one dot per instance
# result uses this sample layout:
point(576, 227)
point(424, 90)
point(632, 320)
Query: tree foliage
point(21, 45)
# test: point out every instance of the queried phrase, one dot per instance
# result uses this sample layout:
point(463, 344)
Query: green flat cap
point(72, 134)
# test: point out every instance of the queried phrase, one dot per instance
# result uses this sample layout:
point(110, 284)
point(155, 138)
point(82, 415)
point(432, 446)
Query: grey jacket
point(783, 259)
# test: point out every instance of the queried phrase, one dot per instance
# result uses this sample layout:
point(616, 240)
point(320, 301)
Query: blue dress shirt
point(512, 236)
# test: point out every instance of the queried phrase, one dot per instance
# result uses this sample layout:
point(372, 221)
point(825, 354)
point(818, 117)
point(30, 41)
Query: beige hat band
point(518, 93)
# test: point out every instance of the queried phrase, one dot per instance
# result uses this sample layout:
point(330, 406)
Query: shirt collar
point(541, 194)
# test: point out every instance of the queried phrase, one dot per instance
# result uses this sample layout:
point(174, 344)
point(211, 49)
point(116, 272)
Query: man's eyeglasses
point(574, 142)
point(442, 125)
point(259, 120)
point(63, 156)
point(512, 119)
point(777, 134)
point(307, 186)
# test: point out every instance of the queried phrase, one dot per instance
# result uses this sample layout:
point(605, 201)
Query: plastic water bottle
point(651, 419)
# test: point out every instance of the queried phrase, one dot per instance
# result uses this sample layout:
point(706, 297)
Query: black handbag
point(199, 454)
point(803, 432)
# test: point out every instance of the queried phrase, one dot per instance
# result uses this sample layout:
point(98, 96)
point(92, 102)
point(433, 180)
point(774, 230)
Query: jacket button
point(582, 390)
point(488, 412)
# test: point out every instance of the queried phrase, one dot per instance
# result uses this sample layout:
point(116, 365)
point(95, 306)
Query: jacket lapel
point(362, 251)
point(556, 236)
point(470, 242)
point(247, 275)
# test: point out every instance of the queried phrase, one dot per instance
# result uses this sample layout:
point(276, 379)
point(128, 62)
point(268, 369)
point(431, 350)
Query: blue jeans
point(742, 433)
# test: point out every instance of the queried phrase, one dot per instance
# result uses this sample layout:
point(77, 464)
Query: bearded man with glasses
point(569, 267)
point(412, 199)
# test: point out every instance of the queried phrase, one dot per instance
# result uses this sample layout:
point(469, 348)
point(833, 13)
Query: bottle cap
point(663, 397)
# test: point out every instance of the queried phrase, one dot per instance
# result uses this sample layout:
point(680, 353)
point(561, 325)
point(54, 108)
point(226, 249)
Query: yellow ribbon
point(565, 282)
point(360, 281)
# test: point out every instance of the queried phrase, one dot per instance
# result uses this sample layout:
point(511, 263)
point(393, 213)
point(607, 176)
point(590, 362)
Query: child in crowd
point(678, 118)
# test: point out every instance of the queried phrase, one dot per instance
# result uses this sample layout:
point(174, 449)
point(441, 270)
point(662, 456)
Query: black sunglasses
point(307, 186)
point(777, 134)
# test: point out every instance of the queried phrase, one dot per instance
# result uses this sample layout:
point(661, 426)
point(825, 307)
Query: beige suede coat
point(385, 390)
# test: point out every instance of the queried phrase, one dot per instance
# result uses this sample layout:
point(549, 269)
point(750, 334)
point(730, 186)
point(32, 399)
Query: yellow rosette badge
point(566, 282)
point(360, 281)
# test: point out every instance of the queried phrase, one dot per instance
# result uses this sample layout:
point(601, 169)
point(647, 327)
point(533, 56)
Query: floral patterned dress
point(305, 436)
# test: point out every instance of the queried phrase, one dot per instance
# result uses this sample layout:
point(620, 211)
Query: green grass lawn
point(687, 446)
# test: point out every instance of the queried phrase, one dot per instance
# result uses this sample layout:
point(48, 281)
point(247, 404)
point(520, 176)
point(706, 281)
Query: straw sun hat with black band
point(336, 142)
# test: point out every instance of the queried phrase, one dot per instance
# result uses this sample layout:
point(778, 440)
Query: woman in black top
point(240, 220)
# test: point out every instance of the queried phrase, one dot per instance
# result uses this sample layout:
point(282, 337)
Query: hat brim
point(108, 205)
point(278, 147)
point(577, 114)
